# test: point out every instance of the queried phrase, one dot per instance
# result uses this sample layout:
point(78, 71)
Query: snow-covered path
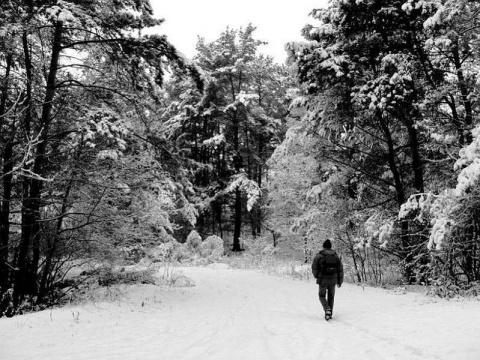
point(236, 314)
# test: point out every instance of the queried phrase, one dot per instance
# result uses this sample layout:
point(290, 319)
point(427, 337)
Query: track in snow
point(242, 315)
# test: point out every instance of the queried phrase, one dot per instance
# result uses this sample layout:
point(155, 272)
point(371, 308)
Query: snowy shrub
point(258, 246)
point(272, 265)
point(109, 277)
point(7, 307)
point(133, 253)
point(444, 287)
point(260, 254)
point(182, 281)
point(269, 249)
point(212, 247)
point(170, 251)
point(170, 275)
point(295, 270)
point(194, 250)
point(181, 253)
point(10, 308)
point(165, 251)
point(194, 240)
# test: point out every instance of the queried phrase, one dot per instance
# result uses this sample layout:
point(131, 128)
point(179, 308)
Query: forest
point(115, 147)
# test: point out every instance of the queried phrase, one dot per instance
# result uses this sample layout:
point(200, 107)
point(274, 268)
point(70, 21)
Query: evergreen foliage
point(77, 177)
point(228, 133)
point(391, 95)
point(375, 143)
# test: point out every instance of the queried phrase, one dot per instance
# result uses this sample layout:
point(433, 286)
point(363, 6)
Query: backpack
point(330, 264)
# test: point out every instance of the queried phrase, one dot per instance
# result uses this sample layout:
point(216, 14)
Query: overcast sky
point(277, 22)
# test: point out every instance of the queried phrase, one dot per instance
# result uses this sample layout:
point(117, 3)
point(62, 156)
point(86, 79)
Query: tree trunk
point(52, 245)
point(464, 95)
point(23, 249)
point(27, 276)
point(5, 214)
point(6, 183)
point(238, 195)
point(238, 220)
point(354, 259)
point(305, 250)
point(259, 182)
point(417, 164)
point(220, 214)
point(399, 189)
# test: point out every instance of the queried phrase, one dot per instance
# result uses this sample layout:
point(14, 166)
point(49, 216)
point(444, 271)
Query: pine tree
point(230, 130)
point(67, 66)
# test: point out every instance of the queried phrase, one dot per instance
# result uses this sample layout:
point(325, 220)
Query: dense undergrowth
point(160, 266)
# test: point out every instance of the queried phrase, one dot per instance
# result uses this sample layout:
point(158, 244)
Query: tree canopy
point(111, 140)
point(391, 91)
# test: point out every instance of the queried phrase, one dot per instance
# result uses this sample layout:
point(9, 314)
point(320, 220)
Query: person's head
point(327, 244)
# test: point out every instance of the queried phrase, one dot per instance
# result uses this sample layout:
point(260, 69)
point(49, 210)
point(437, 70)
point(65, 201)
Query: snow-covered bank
point(238, 314)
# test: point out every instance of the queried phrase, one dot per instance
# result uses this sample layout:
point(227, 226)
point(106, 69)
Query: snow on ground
point(239, 315)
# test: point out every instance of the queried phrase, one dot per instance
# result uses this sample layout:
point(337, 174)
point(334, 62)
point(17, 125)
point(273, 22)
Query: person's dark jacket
point(318, 265)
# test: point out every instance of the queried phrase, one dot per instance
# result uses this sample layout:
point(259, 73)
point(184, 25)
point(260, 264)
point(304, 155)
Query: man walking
point(327, 268)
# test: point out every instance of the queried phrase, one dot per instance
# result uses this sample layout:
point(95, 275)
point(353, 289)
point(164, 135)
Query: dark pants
point(327, 296)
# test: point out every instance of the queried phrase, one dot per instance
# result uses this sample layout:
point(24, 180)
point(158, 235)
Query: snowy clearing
point(237, 314)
